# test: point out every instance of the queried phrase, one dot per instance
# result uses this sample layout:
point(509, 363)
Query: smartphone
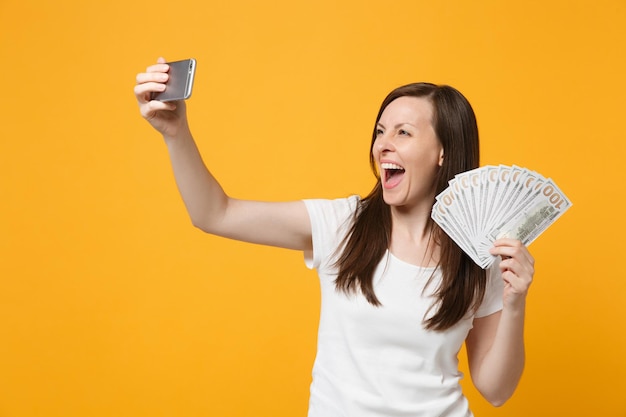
point(180, 82)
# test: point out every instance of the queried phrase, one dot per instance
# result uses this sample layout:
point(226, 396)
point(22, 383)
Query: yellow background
point(112, 304)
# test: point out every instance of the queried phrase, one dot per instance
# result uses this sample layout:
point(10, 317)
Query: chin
point(393, 202)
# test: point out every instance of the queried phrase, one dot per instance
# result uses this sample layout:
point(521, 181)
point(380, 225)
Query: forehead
point(408, 109)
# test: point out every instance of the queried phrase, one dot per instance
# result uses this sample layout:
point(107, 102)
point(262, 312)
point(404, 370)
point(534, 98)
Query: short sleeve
point(330, 221)
point(492, 302)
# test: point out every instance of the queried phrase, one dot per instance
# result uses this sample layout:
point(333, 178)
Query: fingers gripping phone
point(180, 82)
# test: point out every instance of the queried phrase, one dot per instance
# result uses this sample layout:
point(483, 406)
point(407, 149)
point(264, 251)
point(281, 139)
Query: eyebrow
point(397, 125)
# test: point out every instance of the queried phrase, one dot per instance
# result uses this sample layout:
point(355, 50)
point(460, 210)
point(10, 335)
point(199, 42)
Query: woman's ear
point(441, 157)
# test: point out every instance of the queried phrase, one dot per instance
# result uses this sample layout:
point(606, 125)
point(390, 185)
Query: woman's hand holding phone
point(167, 117)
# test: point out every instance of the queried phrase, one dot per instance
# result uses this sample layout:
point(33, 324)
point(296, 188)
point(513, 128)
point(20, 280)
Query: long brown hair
point(463, 283)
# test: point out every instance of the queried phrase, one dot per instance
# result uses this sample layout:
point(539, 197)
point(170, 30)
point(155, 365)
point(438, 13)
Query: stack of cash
point(492, 202)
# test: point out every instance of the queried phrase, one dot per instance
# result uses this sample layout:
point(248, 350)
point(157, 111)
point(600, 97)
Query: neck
point(411, 238)
point(413, 220)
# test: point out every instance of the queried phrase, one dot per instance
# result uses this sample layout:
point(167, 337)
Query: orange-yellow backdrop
point(112, 304)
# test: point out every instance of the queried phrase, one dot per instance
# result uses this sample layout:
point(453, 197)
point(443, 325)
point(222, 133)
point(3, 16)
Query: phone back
point(180, 82)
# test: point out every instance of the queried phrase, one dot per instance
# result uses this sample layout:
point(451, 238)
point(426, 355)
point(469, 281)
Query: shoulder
point(330, 222)
point(492, 301)
point(338, 210)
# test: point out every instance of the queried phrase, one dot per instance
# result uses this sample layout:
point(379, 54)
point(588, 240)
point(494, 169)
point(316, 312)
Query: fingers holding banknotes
point(517, 268)
point(166, 117)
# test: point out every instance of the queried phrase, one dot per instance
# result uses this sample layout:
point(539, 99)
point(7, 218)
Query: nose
point(384, 143)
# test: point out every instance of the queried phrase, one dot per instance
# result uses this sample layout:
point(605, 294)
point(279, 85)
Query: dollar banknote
point(492, 202)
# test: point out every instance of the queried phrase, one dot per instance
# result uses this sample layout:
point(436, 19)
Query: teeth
point(389, 165)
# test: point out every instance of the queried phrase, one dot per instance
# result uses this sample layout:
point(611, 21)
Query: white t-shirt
point(380, 361)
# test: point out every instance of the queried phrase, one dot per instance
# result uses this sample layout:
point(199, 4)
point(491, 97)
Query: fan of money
point(491, 202)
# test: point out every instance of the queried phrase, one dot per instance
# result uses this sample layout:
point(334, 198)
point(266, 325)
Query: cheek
point(375, 151)
point(428, 157)
point(375, 162)
point(374, 146)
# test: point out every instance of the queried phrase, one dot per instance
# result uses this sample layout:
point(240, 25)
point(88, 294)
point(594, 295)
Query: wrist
point(515, 308)
point(182, 134)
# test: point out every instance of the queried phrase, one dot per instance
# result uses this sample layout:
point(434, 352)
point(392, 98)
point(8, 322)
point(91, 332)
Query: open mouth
point(392, 173)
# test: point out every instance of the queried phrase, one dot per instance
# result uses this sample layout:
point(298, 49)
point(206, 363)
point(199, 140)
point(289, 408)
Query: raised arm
point(210, 208)
point(495, 345)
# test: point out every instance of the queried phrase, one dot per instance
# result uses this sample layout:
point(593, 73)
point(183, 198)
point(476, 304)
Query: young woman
point(399, 297)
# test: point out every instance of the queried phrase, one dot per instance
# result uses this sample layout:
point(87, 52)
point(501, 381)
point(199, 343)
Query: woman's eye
point(403, 132)
point(379, 132)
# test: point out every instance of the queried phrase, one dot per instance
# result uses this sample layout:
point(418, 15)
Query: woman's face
point(407, 152)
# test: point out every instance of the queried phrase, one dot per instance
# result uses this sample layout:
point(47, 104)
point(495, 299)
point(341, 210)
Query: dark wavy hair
point(463, 283)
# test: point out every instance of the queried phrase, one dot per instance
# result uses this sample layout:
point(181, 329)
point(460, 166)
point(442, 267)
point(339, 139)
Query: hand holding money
point(493, 202)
